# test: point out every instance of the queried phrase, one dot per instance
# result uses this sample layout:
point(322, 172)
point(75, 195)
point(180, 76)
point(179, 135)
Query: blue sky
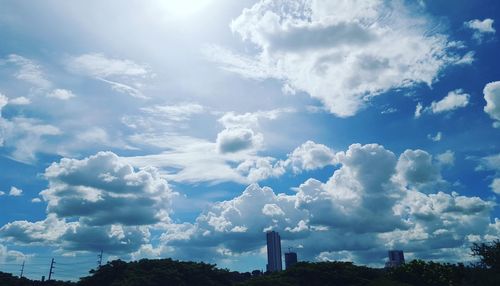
point(187, 129)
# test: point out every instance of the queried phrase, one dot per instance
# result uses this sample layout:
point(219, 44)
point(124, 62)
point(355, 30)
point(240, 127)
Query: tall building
point(290, 259)
point(273, 252)
point(396, 258)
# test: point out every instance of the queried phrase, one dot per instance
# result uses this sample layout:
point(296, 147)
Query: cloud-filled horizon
point(187, 129)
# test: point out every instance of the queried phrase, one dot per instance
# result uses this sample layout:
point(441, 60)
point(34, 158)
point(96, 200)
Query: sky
point(189, 128)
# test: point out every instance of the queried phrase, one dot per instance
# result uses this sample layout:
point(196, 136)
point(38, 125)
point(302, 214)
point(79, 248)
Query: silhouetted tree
point(488, 253)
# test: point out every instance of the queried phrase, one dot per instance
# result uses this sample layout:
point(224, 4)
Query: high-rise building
point(290, 259)
point(396, 258)
point(273, 251)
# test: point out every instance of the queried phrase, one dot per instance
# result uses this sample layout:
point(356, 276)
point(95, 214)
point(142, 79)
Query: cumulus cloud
point(62, 94)
point(310, 156)
point(71, 236)
point(416, 169)
point(234, 155)
point(239, 224)
point(46, 231)
point(260, 168)
point(99, 202)
point(481, 28)
point(10, 256)
point(239, 133)
point(339, 52)
point(365, 208)
point(102, 189)
point(20, 101)
point(4, 100)
point(446, 158)
point(454, 100)
point(238, 139)
point(15, 192)
point(492, 96)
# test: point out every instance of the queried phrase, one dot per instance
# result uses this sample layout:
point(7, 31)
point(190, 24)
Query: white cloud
point(340, 52)
point(54, 232)
point(361, 211)
point(25, 136)
point(103, 189)
point(454, 100)
point(310, 156)
point(416, 170)
point(36, 200)
point(481, 28)
point(495, 186)
point(492, 96)
point(4, 100)
point(98, 65)
point(112, 71)
point(251, 119)
point(272, 210)
point(435, 138)
point(15, 192)
point(124, 88)
point(418, 110)
point(29, 71)
point(238, 139)
point(176, 112)
point(234, 156)
point(2, 193)
point(239, 133)
point(446, 158)
point(260, 168)
point(11, 256)
point(62, 94)
point(47, 230)
point(491, 163)
point(20, 101)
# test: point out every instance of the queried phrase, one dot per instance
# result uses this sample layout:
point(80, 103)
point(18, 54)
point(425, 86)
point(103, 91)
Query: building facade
point(273, 252)
point(396, 258)
point(290, 259)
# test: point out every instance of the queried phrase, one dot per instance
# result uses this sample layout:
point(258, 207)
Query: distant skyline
point(189, 128)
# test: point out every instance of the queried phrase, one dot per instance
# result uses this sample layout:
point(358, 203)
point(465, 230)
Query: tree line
point(157, 272)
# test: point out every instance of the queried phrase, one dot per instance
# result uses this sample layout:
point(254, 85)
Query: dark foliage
point(160, 272)
point(488, 253)
point(170, 272)
point(7, 279)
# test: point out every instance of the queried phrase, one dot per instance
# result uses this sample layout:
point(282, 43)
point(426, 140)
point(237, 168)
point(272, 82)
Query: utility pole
point(22, 270)
point(99, 261)
point(51, 271)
